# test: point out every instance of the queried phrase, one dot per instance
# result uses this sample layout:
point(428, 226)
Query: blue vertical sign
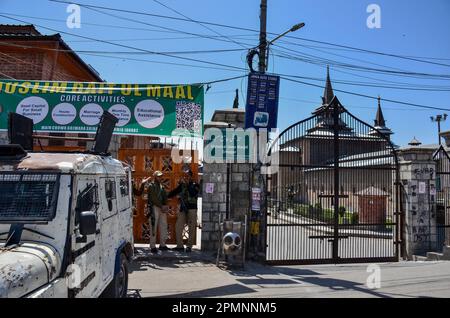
point(261, 109)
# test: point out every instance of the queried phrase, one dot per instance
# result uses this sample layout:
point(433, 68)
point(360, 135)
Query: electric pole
point(438, 120)
point(263, 37)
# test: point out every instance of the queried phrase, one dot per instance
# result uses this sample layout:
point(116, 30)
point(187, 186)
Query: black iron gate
point(332, 194)
point(442, 200)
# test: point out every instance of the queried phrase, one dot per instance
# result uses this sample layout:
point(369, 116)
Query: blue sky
point(408, 28)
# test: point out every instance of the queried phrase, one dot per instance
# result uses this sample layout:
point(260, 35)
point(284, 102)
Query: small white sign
point(90, 114)
point(432, 189)
point(149, 113)
point(64, 114)
point(422, 187)
point(33, 107)
point(209, 188)
point(122, 112)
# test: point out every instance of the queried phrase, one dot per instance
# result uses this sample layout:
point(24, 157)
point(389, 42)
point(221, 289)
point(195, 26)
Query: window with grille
point(28, 197)
point(124, 189)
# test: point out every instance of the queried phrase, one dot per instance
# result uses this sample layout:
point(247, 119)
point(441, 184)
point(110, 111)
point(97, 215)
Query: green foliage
point(326, 215)
point(355, 218)
point(342, 211)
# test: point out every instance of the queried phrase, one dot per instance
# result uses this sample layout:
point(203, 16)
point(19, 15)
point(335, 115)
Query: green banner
point(75, 107)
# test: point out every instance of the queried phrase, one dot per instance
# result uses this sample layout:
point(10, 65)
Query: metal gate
point(334, 196)
point(442, 199)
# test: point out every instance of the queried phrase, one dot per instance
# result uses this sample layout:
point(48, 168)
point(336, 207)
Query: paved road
point(197, 277)
point(290, 239)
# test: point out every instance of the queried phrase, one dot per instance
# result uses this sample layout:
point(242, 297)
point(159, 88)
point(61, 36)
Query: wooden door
point(144, 162)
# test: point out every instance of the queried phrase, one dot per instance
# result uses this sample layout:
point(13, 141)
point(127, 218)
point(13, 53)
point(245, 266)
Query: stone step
point(446, 252)
point(418, 258)
point(434, 256)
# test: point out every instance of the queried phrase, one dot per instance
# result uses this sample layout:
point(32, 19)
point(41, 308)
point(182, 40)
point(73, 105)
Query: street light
point(293, 29)
point(438, 120)
point(264, 47)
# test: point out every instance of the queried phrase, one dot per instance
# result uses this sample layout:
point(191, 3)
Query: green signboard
point(229, 145)
point(75, 107)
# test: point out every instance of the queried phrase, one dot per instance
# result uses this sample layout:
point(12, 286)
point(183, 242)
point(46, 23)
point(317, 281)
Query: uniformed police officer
point(187, 191)
point(157, 210)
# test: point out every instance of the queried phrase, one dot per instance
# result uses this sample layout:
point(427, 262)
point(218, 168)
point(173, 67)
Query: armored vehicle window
point(110, 192)
point(110, 189)
point(28, 197)
point(124, 189)
point(88, 198)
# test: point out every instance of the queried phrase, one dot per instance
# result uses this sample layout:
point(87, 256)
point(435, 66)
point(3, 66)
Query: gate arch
point(333, 196)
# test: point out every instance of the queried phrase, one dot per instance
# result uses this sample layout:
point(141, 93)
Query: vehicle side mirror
point(88, 223)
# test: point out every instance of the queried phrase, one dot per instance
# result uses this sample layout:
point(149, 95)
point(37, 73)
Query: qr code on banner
point(189, 116)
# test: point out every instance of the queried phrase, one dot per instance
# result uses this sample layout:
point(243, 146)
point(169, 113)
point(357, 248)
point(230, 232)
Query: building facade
point(26, 54)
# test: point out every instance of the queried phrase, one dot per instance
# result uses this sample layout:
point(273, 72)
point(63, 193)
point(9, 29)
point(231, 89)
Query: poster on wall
point(75, 107)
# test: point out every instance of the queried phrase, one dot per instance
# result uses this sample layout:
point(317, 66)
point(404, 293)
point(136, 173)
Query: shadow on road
point(341, 285)
point(249, 280)
point(227, 290)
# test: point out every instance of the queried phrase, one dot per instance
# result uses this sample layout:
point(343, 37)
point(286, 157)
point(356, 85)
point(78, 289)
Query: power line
point(416, 59)
point(412, 74)
point(367, 96)
point(87, 23)
point(203, 25)
point(169, 85)
point(166, 28)
point(123, 52)
point(93, 53)
point(126, 46)
point(335, 63)
point(63, 74)
point(352, 106)
point(6, 75)
point(131, 28)
point(101, 54)
point(446, 89)
point(363, 68)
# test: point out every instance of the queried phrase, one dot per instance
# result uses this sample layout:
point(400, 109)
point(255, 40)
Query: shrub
point(355, 218)
point(342, 211)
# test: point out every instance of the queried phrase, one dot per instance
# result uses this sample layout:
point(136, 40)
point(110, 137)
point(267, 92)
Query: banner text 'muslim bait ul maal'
point(75, 107)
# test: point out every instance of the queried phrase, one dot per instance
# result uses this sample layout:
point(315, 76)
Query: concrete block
point(206, 217)
point(214, 236)
point(244, 168)
point(237, 177)
point(221, 187)
point(234, 187)
point(210, 207)
point(243, 186)
point(207, 227)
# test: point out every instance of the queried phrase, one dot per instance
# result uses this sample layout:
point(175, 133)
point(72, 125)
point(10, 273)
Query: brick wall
point(22, 65)
point(37, 63)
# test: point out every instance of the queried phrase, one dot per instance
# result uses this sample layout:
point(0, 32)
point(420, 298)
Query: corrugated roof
point(372, 191)
point(18, 30)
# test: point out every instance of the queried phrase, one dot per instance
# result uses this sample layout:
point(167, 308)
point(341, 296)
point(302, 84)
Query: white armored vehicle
point(65, 224)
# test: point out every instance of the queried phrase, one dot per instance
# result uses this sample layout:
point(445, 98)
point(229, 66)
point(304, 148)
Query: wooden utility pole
point(263, 37)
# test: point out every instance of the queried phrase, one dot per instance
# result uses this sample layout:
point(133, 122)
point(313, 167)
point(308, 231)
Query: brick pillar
point(418, 174)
